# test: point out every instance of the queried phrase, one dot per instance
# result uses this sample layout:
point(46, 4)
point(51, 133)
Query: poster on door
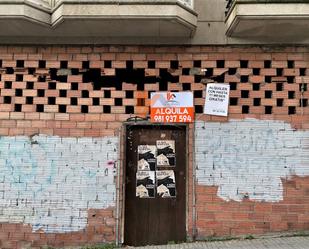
point(166, 185)
point(145, 184)
point(166, 153)
point(146, 157)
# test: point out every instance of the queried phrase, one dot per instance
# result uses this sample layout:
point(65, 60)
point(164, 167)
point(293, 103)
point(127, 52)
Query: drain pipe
point(194, 233)
point(118, 189)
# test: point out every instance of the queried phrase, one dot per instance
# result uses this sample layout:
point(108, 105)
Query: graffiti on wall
point(50, 182)
point(248, 158)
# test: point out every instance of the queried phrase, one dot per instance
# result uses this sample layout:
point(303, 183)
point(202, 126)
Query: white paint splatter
point(248, 158)
point(51, 182)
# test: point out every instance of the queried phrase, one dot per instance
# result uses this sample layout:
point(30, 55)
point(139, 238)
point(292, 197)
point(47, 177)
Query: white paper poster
point(146, 157)
point(166, 185)
point(166, 153)
point(217, 99)
point(145, 184)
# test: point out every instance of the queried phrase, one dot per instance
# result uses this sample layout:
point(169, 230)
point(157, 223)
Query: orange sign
point(172, 107)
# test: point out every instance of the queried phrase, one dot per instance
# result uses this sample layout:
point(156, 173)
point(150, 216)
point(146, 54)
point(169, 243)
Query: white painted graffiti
point(248, 158)
point(51, 182)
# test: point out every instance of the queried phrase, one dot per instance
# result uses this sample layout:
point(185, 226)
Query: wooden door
point(161, 219)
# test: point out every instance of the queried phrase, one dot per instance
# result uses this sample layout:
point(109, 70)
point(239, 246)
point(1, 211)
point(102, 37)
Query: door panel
point(155, 220)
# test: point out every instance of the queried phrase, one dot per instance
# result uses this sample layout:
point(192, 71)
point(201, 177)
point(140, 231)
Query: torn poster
point(146, 157)
point(145, 184)
point(166, 186)
point(166, 153)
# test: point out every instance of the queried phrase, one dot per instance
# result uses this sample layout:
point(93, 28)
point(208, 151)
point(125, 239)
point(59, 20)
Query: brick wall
point(81, 96)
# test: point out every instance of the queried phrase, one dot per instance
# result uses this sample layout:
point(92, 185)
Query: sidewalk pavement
point(265, 243)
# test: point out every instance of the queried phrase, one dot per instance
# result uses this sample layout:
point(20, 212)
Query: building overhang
point(273, 20)
point(68, 20)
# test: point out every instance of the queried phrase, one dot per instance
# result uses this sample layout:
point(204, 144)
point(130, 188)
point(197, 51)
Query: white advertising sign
point(217, 99)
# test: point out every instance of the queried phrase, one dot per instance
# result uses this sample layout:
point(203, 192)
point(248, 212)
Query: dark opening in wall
point(245, 94)
point(85, 94)
point(106, 108)
point(279, 102)
point(291, 64)
point(17, 108)
point(268, 94)
point(107, 64)
point(233, 101)
point(268, 79)
point(292, 110)
point(186, 86)
point(41, 93)
point(19, 77)
point(84, 109)
point(29, 100)
point(198, 108)
point(302, 71)
point(7, 99)
point(243, 64)
point(51, 100)
point(129, 109)
point(303, 102)
point(40, 108)
point(73, 101)
point(197, 78)
point(96, 101)
point(268, 109)
point(256, 101)
point(107, 94)
point(279, 71)
point(290, 79)
point(186, 71)
point(209, 72)
point(51, 85)
point(0, 63)
point(256, 71)
point(20, 63)
point(232, 71)
point(198, 94)
point(279, 87)
point(291, 94)
point(75, 71)
point(303, 87)
point(151, 64)
point(256, 86)
point(18, 92)
point(64, 64)
point(8, 84)
point(118, 101)
point(245, 109)
point(267, 64)
point(85, 64)
point(29, 85)
point(31, 70)
point(197, 63)
point(129, 64)
point(42, 64)
point(41, 78)
point(63, 93)
point(174, 64)
point(129, 94)
point(9, 70)
point(220, 63)
point(140, 102)
point(244, 78)
point(74, 86)
point(62, 108)
point(149, 94)
point(233, 86)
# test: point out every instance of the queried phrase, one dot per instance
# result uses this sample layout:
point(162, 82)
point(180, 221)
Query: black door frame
point(124, 164)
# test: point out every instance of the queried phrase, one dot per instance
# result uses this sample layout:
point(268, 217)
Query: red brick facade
point(87, 91)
